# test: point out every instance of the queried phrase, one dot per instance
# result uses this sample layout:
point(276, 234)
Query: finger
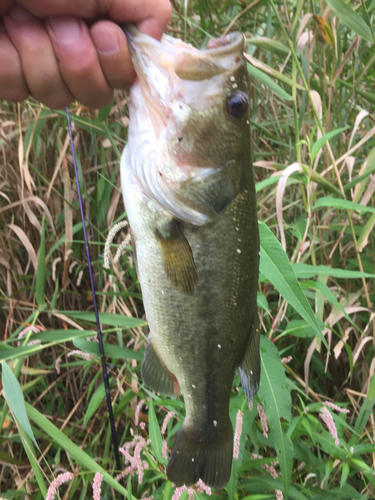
point(39, 65)
point(151, 16)
point(5, 5)
point(13, 85)
point(110, 42)
point(78, 61)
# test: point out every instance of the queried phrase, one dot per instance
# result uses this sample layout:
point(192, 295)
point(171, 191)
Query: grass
point(313, 103)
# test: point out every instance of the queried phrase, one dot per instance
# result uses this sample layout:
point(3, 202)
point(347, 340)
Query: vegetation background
point(313, 97)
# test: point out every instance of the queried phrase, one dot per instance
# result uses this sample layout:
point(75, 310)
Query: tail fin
point(205, 456)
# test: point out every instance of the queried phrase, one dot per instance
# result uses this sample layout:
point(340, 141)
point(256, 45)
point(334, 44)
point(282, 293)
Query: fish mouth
point(222, 55)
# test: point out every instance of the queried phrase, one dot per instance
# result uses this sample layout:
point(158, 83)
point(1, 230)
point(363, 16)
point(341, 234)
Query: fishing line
point(100, 337)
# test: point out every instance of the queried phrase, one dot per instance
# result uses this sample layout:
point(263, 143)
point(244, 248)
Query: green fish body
point(189, 193)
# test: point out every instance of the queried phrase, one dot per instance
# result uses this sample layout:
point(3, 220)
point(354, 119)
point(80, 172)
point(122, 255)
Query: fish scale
point(195, 240)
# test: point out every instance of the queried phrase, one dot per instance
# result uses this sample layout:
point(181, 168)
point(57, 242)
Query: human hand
point(57, 50)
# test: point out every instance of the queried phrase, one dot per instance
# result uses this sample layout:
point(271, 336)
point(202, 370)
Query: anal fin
point(156, 375)
point(177, 258)
point(250, 365)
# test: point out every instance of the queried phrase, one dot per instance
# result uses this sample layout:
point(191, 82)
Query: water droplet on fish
point(234, 86)
point(192, 459)
point(251, 372)
point(238, 250)
point(247, 122)
point(193, 386)
point(215, 423)
point(232, 79)
point(162, 292)
point(219, 346)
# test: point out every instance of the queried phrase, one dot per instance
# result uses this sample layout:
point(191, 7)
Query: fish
point(189, 192)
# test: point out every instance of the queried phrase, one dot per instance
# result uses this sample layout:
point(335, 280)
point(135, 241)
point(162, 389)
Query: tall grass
point(312, 69)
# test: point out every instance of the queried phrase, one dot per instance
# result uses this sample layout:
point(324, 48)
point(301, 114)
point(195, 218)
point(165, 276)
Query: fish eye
point(237, 104)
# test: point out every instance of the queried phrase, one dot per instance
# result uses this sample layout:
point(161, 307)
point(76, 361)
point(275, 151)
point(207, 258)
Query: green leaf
point(14, 395)
point(272, 72)
point(266, 484)
point(267, 182)
point(329, 201)
point(269, 44)
point(103, 113)
point(371, 389)
point(275, 396)
point(326, 292)
point(344, 474)
point(298, 328)
point(95, 402)
point(155, 434)
point(72, 449)
point(268, 82)
point(366, 231)
point(51, 337)
point(306, 271)
point(31, 455)
point(107, 319)
point(262, 302)
point(275, 266)
point(41, 271)
point(317, 146)
point(110, 351)
point(351, 19)
point(364, 414)
point(232, 485)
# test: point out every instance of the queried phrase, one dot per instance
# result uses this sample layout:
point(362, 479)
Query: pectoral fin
point(250, 365)
point(156, 375)
point(178, 258)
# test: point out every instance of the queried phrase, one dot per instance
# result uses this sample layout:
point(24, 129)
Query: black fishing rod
point(99, 331)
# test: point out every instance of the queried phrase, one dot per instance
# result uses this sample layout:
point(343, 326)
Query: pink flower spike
point(77, 352)
point(96, 486)
point(120, 476)
point(191, 494)
point(164, 450)
point(335, 407)
point(279, 495)
point(179, 492)
point(237, 435)
point(168, 416)
point(271, 470)
point(137, 411)
point(251, 405)
point(61, 479)
point(263, 420)
point(328, 420)
point(287, 360)
point(201, 487)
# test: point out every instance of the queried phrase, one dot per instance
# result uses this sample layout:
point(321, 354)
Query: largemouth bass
point(189, 193)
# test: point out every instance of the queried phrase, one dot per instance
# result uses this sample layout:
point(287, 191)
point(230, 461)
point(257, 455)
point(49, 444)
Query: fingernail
point(105, 44)
point(65, 29)
point(19, 14)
